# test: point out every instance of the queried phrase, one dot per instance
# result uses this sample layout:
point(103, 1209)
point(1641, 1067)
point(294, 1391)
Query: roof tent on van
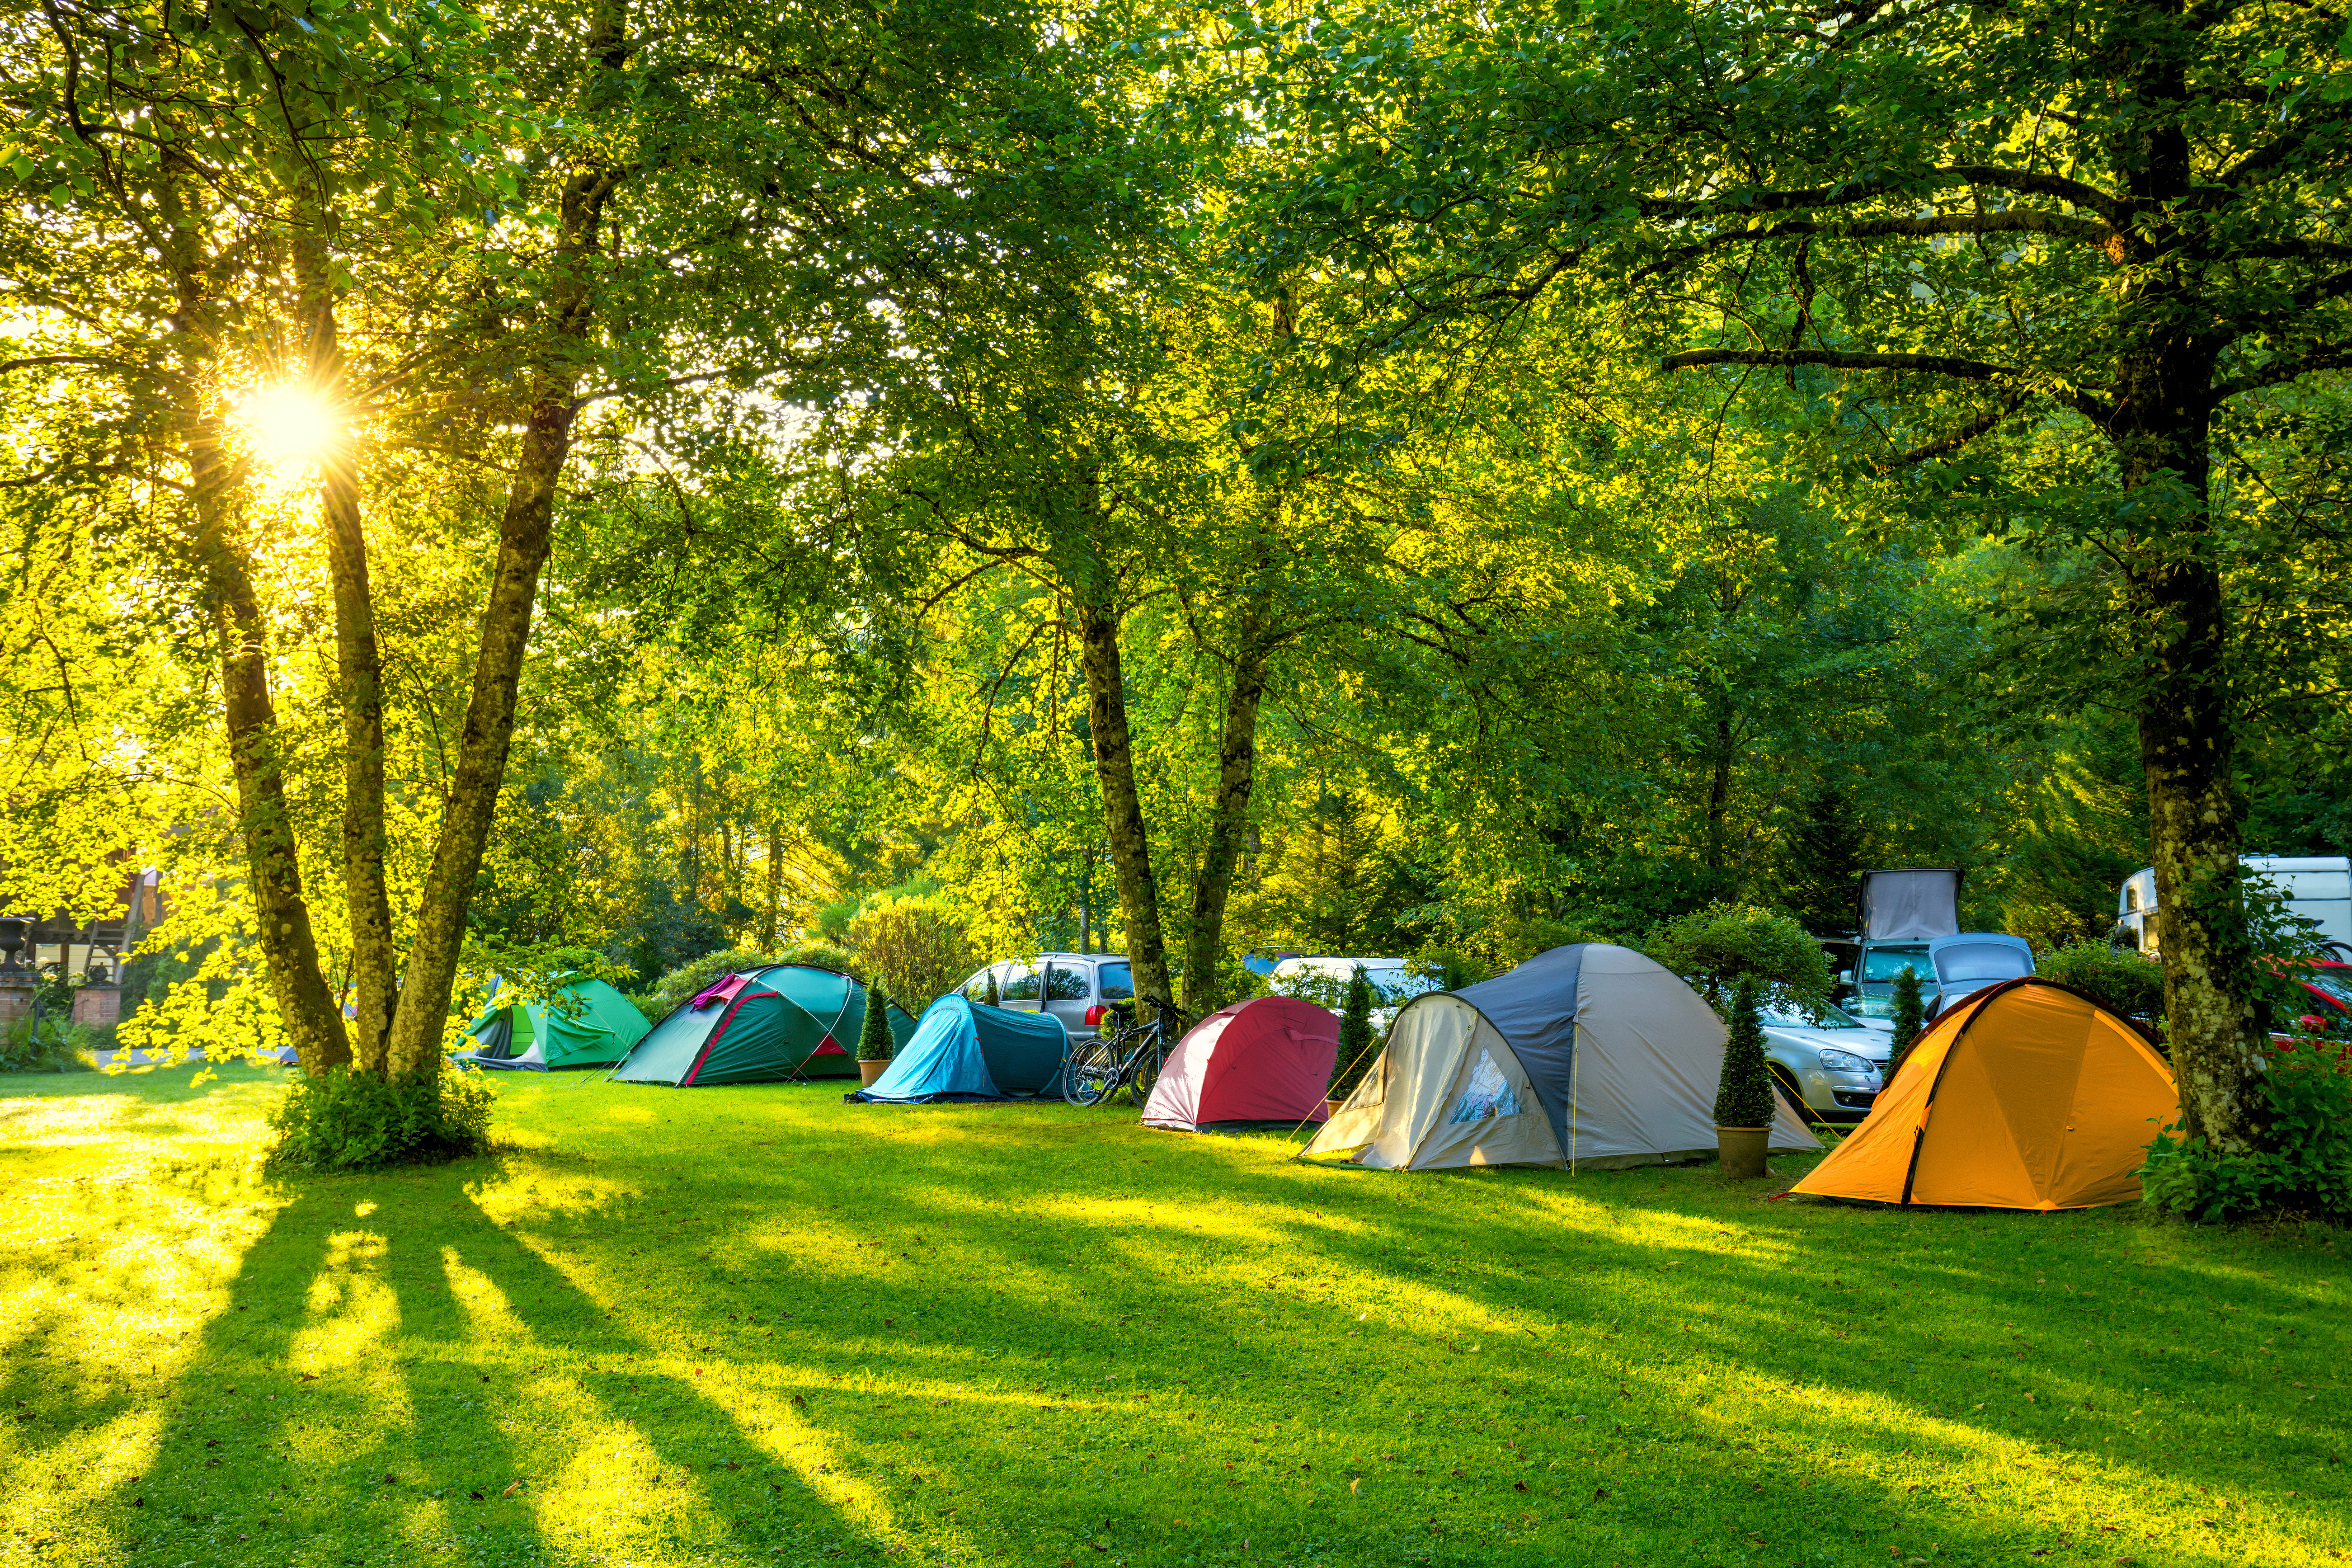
point(1910, 904)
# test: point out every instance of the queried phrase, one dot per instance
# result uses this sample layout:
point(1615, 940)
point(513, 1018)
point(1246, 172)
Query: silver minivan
point(1079, 988)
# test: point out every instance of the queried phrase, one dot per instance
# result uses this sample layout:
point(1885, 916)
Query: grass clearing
point(756, 1325)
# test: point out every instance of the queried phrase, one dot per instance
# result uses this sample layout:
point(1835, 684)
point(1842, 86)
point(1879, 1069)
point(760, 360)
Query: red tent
point(1256, 1064)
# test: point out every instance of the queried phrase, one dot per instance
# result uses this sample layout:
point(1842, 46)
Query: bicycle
point(1131, 1055)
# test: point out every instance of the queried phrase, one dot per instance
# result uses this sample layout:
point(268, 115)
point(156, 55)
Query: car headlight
point(1844, 1062)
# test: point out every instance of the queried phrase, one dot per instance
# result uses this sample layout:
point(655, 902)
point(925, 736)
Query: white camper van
point(2318, 887)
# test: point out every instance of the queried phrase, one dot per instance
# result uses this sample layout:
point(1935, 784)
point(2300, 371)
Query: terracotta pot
point(867, 1072)
point(1741, 1151)
point(1331, 1108)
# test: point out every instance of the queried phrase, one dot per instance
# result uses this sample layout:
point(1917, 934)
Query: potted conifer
point(1910, 1018)
point(1743, 1097)
point(1355, 1043)
point(874, 1038)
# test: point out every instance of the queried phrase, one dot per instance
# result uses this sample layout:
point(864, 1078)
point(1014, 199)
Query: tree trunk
point(1204, 940)
point(273, 867)
point(289, 948)
point(775, 882)
point(359, 665)
point(2213, 1014)
point(525, 533)
point(1130, 844)
point(2161, 428)
point(1719, 788)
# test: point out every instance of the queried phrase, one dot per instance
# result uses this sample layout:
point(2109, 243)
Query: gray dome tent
point(1584, 1056)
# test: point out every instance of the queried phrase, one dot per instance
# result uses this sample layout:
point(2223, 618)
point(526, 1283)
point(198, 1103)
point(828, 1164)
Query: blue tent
point(962, 1051)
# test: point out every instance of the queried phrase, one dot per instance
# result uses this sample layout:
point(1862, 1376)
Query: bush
point(49, 1047)
point(342, 1121)
point(1717, 946)
point(820, 956)
point(1743, 1094)
point(915, 947)
point(1356, 1042)
point(2118, 978)
point(2304, 1167)
point(687, 981)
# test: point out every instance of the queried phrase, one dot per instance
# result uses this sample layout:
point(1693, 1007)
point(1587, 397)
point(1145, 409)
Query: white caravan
point(2318, 887)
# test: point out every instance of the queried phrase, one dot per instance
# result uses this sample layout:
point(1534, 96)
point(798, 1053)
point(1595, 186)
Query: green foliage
point(874, 1034)
point(343, 1121)
point(2118, 979)
point(2303, 1168)
point(820, 956)
point(687, 981)
point(994, 998)
point(1357, 1046)
point(49, 1046)
point(1743, 1095)
point(916, 946)
point(1725, 943)
point(1910, 1019)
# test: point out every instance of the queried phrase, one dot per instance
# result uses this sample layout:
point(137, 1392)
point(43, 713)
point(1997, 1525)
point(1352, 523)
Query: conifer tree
point(1910, 1018)
point(995, 997)
point(1743, 1096)
point(1355, 1037)
point(874, 1043)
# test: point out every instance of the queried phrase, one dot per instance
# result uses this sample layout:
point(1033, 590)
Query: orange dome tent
point(2027, 1095)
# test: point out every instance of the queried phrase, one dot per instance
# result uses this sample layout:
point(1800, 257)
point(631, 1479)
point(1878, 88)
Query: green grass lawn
point(756, 1325)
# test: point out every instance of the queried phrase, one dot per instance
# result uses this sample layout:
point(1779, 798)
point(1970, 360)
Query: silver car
point(1829, 1063)
point(1079, 988)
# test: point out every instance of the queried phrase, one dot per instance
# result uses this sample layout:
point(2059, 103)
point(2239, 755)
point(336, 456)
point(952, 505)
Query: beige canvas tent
point(1590, 1056)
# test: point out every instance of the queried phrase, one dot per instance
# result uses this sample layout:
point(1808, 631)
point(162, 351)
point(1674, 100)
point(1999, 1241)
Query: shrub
point(1355, 1041)
point(994, 998)
point(820, 956)
point(1716, 947)
point(687, 981)
point(1910, 1018)
point(1743, 1095)
point(342, 1121)
point(915, 947)
point(874, 1041)
point(2303, 1166)
point(2118, 978)
point(49, 1046)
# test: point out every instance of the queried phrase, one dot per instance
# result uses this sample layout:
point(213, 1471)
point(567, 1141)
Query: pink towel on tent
point(721, 991)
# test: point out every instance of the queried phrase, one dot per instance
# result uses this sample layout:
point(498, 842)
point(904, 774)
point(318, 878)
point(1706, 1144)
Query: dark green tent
point(786, 1022)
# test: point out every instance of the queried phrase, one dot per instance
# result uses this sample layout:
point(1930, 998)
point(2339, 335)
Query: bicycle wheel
point(1143, 1074)
point(1092, 1073)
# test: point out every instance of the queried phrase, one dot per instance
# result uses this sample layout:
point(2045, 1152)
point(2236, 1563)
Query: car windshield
point(1982, 961)
point(1786, 1014)
point(2337, 988)
point(1118, 982)
point(1881, 965)
point(1398, 984)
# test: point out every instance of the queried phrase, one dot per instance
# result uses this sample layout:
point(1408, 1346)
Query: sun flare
point(291, 427)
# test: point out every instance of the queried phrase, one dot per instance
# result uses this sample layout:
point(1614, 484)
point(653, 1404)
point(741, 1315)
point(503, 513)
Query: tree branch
point(2284, 370)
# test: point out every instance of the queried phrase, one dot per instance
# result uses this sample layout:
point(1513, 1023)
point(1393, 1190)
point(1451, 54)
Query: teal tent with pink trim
point(785, 1023)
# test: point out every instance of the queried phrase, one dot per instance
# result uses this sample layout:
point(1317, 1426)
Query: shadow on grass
point(758, 1326)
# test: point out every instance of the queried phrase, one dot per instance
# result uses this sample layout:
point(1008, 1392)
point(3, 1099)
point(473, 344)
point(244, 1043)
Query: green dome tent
point(782, 1023)
point(594, 1026)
